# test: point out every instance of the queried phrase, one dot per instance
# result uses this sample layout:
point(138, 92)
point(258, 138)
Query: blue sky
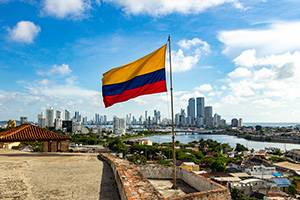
point(242, 56)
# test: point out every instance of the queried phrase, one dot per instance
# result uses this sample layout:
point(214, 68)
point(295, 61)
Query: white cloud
point(240, 72)
point(66, 8)
point(277, 38)
point(62, 70)
point(246, 59)
point(195, 42)
point(189, 54)
point(164, 7)
point(204, 88)
point(272, 83)
point(24, 32)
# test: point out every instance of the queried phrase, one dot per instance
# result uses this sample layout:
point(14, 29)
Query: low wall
point(130, 182)
point(207, 189)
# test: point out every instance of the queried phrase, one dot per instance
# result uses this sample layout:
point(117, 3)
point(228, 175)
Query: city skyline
point(227, 52)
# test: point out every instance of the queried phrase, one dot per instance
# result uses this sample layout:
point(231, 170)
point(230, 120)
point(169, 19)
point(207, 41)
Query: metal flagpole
point(172, 113)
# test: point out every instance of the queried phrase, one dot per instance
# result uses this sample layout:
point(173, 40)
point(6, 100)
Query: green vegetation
point(87, 139)
point(292, 188)
point(276, 159)
point(240, 148)
point(238, 195)
point(118, 146)
point(36, 146)
point(207, 153)
point(138, 159)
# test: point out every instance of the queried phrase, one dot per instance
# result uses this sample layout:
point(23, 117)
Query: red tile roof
point(28, 132)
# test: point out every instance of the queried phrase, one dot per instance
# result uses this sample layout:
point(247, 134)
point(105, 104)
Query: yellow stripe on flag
point(147, 64)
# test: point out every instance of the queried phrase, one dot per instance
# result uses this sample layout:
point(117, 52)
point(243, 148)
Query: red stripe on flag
point(152, 88)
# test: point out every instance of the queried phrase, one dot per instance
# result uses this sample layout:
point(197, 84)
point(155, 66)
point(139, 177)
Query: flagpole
point(172, 113)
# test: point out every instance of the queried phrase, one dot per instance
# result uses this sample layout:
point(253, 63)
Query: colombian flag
point(146, 75)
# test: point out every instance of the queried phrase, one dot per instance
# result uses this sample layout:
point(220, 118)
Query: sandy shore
point(54, 176)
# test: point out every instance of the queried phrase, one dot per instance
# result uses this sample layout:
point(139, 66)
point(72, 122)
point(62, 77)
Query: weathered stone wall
point(131, 184)
point(208, 190)
point(64, 146)
point(45, 146)
point(156, 171)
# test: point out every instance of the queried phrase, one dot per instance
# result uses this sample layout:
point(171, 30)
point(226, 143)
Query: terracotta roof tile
point(29, 132)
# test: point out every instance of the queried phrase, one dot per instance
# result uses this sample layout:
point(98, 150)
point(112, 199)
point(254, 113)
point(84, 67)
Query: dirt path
point(26, 177)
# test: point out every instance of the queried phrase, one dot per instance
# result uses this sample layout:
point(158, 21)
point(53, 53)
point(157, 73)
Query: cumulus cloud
point(24, 32)
point(165, 7)
point(189, 53)
point(204, 88)
point(277, 38)
point(240, 72)
point(62, 70)
point(272, 82)
point(66, 8)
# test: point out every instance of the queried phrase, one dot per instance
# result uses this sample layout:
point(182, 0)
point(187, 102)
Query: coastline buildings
point(119, 126)
point(199, 115)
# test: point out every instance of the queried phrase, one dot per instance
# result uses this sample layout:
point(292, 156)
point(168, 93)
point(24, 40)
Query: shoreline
point(246, 137)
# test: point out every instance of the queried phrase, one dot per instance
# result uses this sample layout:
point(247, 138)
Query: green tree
point(118, 146)
point(239, 148)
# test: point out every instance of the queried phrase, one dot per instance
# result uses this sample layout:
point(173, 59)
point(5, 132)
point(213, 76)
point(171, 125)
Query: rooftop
point(288, 165)
point(29, 132)
point(240, 175)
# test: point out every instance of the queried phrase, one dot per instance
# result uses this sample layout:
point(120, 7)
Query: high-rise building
point(119, 126)
point(200, 102)
point(191, 111)
point(234, 122)
point(23, 120)
point(97, 118)
point(240, 124)
point(41, 121)
point(157, 117)
point(182, 118)
point(223, 123)
point(208, 119)
point(50, 117)
point(104, 119)
point(146, 117)
point(200, 107)
point(58, 124)
point(84, 120)
point(67, 115)
point(217, 120)
point(77, 116)
point(58, 114)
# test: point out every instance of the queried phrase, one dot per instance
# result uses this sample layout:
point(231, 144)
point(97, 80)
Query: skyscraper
point(200, 111)
point(119, 126)
point(200, 107)
point(67, 115)
point(191, 111)
point(208, 119)
point(58, 114)
point(97, 118)
point(50, 117)
point(217, 120)
point(41, 120)
point(77, 116)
